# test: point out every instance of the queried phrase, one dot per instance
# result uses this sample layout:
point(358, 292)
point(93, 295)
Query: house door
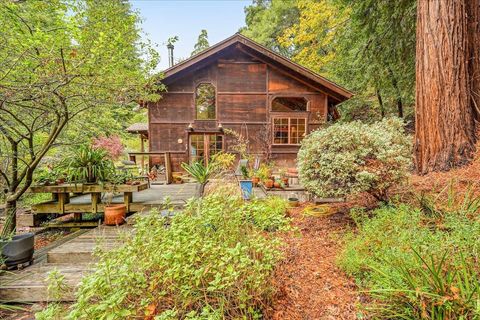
point(203, 146)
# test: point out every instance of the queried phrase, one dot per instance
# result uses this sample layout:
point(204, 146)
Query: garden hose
point(322, 210)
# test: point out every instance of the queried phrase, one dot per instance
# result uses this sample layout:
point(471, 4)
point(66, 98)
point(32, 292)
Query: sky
point(163, 19)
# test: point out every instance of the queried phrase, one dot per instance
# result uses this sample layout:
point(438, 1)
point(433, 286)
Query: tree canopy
point(366, 46)
point(59, 59)
point(202, 42)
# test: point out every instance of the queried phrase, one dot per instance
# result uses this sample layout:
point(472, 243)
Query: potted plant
point(90, 165)
point(200, 173)
point(255, 177)
point(246, 184)
point(283, 177)
point(17, 249)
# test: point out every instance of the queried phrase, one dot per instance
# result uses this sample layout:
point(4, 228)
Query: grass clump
point(208, 262)
point(415, 264)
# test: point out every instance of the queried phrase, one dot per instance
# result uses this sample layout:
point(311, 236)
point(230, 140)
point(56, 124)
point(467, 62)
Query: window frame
point(289, 116)
point(290, 96)
point(195, 100)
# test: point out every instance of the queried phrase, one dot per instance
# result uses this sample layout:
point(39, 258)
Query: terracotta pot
point(292, 170)
point(285, 181)
point(255, 181)
point(276, 185)
point(115, 214)
point(268, 183)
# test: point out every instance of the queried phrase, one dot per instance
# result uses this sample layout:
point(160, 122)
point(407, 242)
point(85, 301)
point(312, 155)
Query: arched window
point(289, 104)
point(205, 102)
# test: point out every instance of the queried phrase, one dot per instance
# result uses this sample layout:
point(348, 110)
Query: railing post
point(168, 168)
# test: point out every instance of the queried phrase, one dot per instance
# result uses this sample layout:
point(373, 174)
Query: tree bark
point(380, 103)
point(11, 219)
point(445, 111)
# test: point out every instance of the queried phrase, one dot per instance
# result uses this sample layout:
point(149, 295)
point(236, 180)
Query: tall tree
point(202, 42)
point(266, 21)
point(447, 82)
point(61, 58)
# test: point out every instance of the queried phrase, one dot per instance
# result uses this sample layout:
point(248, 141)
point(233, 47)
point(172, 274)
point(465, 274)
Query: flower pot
point(276, 184)
point(247, 187)
point(292, 171)
point(115, 214)
point(285, 182)
point(268, 183)
point(18, 250)
point(255, 181)
point(293, 202)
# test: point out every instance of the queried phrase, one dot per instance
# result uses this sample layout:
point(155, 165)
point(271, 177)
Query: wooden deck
point(154, 197)
point(73, 259)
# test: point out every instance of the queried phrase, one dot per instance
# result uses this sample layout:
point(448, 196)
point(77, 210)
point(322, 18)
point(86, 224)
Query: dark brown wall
point(245, 89)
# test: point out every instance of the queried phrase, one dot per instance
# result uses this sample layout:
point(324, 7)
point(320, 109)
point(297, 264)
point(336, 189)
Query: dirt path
point(309, 284)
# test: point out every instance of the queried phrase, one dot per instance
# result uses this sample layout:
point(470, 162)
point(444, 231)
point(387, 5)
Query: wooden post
point(96, 198)
point(127, 200)
point(142, 149)
point(63, 198)
point(168, 168)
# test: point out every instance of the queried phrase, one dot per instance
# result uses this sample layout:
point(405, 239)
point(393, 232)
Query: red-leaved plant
point(112, 145)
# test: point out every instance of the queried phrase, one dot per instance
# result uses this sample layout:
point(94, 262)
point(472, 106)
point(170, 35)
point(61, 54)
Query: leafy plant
point(201, 173)
point(211, 262)
point(88, 164)
point(245, 172)
point(221, 162)
point(350, 158)
point(415, 264)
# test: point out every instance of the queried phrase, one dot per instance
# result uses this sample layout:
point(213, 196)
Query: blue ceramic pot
point(247, 188)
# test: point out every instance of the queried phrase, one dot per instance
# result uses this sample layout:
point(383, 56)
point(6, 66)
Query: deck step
point(31, 284)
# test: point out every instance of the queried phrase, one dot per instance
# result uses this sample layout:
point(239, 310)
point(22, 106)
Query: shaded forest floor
point(309, 284)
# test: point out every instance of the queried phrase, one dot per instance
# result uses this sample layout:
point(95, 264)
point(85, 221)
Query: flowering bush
point(112, 145)
point(355, 157)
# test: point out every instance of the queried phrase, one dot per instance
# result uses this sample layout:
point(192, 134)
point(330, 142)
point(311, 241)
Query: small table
point(61, 196)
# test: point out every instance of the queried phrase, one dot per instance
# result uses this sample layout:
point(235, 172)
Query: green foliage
point(222, 162)
point(198, 171)
point(87, 164)
point(355, 157)
point(415, 265)
point(207, 262)
point(60, 60)
point(367, 46)
point(245, 172)
point(269, 214)
point(202, 43)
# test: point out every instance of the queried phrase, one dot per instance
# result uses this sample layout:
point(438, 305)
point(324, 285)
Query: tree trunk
point(398, 93)
point(380, 103)
point(445, 112)
point(11, 219)
point(473, 10)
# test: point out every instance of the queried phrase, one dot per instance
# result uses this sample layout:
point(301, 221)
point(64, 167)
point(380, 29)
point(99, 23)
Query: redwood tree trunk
point(445, 110)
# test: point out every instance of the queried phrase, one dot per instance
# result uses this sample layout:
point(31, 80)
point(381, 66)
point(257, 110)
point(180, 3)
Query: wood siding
point(245, 87)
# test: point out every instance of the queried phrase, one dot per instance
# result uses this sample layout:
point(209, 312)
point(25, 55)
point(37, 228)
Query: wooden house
point(242, 86)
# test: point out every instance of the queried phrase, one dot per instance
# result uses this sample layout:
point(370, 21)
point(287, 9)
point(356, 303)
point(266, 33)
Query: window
point(289, 104)
point(288, 130)
point(205, 101)
point(204, 146)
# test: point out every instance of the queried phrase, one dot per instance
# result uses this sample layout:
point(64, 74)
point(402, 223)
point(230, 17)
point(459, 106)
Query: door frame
point(206, 144)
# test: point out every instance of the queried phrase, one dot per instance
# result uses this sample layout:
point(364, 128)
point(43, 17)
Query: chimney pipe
point(170, 54)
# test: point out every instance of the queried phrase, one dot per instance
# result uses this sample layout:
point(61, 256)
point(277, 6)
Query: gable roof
point(269, 56)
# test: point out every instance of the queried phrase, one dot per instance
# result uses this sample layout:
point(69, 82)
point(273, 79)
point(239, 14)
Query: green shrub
point(415, 265)
point(207, 262)
point(355, 157)
point(269, 214)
